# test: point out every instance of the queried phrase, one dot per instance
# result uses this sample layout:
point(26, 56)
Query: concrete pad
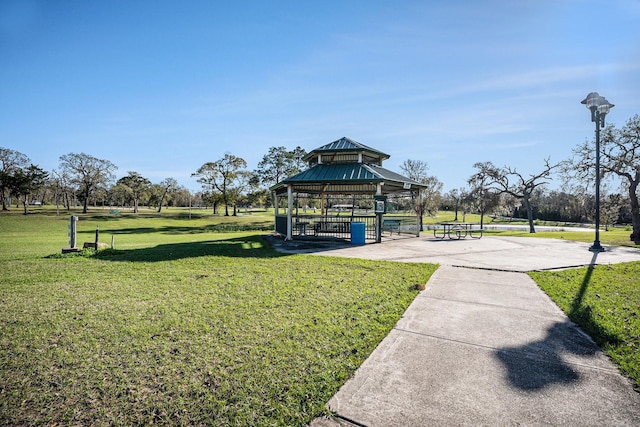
point(503, 253)
point(492, 287)
point(500, 318)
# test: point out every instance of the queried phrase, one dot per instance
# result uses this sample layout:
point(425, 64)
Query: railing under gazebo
point(339, 227)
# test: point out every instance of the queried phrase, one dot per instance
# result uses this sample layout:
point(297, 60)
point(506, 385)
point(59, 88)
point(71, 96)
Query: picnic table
point(457, 230)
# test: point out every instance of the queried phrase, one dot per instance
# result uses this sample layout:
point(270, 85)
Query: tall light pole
point(599, 107)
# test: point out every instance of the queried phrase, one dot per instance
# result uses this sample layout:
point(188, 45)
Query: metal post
point(597, 247)
point(72, 231)
point(289, 211)
point(599, 108)
point(97, 237)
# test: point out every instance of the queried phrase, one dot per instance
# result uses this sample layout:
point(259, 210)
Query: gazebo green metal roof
point(344, 174)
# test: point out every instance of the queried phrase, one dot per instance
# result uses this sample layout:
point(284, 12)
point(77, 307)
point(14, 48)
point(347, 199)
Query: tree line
point(82, 178)
point(228, 183)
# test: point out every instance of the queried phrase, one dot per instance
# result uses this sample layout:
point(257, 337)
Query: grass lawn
point(615, 236)
point(193, 319)
point(180, 323)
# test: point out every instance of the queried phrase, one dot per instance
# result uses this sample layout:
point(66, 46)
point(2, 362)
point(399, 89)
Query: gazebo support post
point(323, 208)
point(276, 211)
point(418, 214)
point(289, 211)
point(378, 216)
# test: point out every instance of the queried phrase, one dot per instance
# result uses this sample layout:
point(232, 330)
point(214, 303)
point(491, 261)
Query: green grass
point(605, 302)
point(181, 324)
point(197, 321)
point(615, 237)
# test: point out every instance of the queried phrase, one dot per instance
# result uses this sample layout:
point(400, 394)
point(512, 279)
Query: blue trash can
point(357, 233)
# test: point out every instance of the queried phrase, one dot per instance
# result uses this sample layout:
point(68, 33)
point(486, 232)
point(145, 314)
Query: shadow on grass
point(176, 230)
point(582, 315)
point(243, 247)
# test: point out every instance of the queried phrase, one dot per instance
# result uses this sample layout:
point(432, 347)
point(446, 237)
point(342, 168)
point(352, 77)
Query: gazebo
point(352, 187)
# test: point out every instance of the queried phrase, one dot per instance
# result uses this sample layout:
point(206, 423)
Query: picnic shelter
point(345, 183)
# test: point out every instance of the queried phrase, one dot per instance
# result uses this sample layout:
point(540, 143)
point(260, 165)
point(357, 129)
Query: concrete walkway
point(483, 345)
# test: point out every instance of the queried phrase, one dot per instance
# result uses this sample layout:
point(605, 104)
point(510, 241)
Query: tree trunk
point(635, 212)
point(527, 206)
point(161, 201)
point(85, 202)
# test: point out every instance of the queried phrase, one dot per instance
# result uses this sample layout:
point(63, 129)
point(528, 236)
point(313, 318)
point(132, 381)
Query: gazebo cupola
point(345, 150)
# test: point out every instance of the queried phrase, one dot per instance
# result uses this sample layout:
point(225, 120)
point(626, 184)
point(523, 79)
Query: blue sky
point(161, 87)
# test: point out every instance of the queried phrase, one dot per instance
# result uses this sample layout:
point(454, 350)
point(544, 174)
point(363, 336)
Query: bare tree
point(425, 201)
point(457, 195)
point(610, 210)
point(87, 173)
point(480, 193)
point(619, 157)
point(510, 181)
point(61, 189)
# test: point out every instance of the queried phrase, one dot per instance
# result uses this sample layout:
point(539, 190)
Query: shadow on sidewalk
point(539, 364)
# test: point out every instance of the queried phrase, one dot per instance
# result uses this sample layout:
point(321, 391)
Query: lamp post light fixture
point(599, 107)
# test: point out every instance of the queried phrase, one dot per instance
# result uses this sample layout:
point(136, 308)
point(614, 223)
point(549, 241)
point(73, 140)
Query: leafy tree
point(26, 181)
point(510, 181)
point(10, 162)
point(241, 184)
point(87, 173)
point(222, 175)
point(279, 164)
point(166, 186)
point(180, 196)
point(119, 194)
point(259, 197)
point(138, 185)
point(619, 157)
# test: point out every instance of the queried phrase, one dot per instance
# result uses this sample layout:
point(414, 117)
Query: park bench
point(391, 225)
point(331, 227)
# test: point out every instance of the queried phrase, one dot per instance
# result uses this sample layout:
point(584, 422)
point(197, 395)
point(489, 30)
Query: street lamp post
point(599, 107)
